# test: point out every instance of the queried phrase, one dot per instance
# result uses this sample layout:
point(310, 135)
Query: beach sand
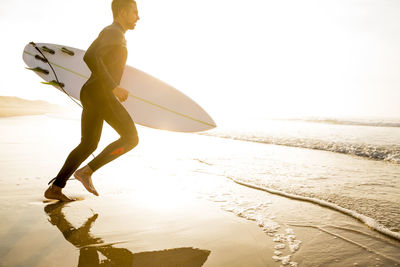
point(160, 205)
point(124, 229)
point(14, 106)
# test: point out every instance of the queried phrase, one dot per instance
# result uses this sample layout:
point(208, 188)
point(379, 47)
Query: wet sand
point(159, 206)
point(124, 229)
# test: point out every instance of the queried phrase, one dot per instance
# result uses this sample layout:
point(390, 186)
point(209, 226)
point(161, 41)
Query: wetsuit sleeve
point(104, 44)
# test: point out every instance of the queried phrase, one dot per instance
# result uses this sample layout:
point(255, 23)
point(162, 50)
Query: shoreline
point(370, 222)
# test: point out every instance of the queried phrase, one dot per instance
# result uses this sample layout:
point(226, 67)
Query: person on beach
point(106, 58)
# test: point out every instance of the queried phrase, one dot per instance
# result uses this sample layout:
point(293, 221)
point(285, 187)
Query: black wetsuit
point(106, 58)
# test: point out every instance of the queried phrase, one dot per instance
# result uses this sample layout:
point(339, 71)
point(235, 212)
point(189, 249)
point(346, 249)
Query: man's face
point(131, 16)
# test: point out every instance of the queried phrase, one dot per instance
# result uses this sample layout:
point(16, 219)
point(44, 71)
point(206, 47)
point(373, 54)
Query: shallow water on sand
point(357, 165)
point(207, 165)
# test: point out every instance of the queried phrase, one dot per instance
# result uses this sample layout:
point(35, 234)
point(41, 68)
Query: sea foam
point(365, 219)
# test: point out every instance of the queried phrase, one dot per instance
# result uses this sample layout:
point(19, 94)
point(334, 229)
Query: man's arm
point(106, 42)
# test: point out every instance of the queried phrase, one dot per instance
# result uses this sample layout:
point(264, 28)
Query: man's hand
point(121, 93)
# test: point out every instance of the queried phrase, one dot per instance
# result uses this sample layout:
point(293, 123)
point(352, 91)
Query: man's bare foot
point(55, 192)
point(84, 175)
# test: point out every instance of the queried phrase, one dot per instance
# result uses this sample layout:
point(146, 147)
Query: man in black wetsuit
point(106, 58)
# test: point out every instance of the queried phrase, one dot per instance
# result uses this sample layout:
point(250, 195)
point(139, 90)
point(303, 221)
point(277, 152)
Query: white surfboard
point(151, 102)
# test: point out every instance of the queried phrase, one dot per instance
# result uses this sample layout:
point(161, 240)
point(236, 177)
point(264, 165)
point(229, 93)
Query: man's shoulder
point(114, 29)
point(112, 34)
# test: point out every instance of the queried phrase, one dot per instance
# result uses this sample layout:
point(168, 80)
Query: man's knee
point(131, 141)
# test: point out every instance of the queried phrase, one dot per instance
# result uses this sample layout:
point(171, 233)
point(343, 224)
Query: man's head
point(125, 12)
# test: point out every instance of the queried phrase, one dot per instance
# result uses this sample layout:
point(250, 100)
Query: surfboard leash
point(61, 85)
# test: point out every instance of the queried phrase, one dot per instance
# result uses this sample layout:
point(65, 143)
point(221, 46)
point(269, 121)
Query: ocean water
point(374, 138)
point(352, 165)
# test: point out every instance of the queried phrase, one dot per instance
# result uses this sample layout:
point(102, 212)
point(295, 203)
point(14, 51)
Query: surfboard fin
point(54, 83)
point(40, 58)
point(48, 50)
point(69, 52)
point(39, 69)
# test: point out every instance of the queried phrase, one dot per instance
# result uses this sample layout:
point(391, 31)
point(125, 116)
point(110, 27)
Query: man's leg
point(91, 127)
point(118, 118)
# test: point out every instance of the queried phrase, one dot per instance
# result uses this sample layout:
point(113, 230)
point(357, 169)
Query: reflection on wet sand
point(90, 247)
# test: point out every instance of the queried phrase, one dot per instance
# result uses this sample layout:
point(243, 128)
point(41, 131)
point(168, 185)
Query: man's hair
point(118, 5)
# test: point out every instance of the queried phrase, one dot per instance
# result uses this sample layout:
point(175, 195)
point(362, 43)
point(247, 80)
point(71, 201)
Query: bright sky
point(256, 58)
